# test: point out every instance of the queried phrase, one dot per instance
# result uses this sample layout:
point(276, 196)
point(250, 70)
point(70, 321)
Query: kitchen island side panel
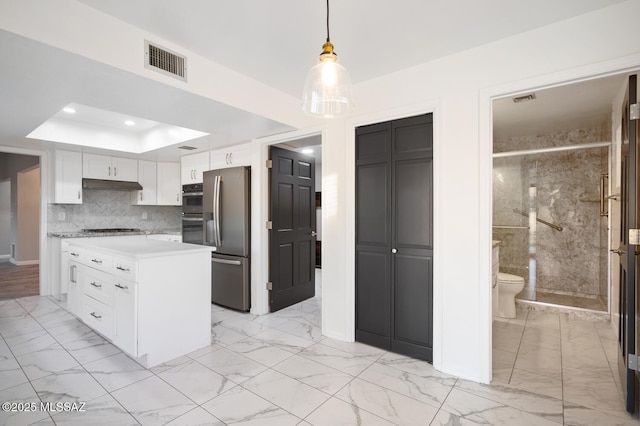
point(174, 305)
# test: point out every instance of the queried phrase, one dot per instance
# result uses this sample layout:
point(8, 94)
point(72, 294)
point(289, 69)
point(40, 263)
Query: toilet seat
point(505, 278)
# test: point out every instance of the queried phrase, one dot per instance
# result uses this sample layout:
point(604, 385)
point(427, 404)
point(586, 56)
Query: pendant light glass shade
point(327, 89)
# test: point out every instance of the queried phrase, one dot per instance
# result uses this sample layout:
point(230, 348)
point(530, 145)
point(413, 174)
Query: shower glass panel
point(548, 217)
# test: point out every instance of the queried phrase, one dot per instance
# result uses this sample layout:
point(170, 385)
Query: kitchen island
point(150, 298)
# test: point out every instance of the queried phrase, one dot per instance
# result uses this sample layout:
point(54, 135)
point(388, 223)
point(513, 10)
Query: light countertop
point(84, 234)
point(137, 247)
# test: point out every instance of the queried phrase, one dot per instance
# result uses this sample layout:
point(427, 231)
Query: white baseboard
point(24, 262)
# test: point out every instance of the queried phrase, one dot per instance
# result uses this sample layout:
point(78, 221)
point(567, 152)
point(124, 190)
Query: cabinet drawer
point(75, 253)
point(98, 316)
point(124, 268)
point(98, 260)
point(98, 285)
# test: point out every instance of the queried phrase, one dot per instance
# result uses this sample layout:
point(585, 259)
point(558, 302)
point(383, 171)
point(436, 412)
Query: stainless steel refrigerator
point(226, 210)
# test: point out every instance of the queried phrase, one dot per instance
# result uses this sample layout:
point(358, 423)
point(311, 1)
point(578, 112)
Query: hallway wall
point(5, 219)
point(28, 216)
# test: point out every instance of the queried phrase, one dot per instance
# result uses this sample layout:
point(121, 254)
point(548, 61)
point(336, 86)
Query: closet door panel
point(373, 216)
point(412, 295)
point(413, 192)
point(373, 320)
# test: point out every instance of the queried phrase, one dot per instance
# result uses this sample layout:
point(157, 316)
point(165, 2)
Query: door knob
point(313, 233)
point(617, 251)
point(394, 251)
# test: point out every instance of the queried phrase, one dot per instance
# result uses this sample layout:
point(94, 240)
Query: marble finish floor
point(278, 369)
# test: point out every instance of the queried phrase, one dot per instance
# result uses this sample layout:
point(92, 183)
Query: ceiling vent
point(165, 61)
point(525, 98)
point(187, 147)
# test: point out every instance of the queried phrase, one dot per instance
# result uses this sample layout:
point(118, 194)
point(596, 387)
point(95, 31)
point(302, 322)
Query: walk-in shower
point(550, 216)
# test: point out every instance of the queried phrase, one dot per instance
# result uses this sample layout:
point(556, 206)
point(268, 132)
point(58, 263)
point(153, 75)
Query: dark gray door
point(629, 289)
point(292, 237)
point(394, 235)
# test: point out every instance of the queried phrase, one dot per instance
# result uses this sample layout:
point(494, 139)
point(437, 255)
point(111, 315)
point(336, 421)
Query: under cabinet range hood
point(114, 185)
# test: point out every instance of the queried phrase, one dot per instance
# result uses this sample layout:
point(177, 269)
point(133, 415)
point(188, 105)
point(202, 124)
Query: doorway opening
point(20, 213)
point(552, 194)
point(305, 147)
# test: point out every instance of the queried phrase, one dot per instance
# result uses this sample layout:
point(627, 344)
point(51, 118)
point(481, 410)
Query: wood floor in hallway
point(19, 281)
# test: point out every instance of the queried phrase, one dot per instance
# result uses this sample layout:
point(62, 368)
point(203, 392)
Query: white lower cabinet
point(97, 316)
point(125, 316)
point(103, 295)
point(154, 306)
point(74, 287)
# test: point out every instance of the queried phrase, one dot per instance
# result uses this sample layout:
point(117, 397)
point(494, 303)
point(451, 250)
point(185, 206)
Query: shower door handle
point(617, 251)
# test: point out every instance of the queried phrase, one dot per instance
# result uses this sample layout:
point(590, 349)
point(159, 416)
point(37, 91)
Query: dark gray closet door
point(412, 206)
point(394, 235)
point(373, 235)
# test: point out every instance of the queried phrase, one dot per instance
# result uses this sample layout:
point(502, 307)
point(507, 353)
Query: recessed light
point(307, 151)
point(130, 123)
point(69, 110)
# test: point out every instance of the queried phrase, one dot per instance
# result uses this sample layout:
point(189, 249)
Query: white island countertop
point(137, 247)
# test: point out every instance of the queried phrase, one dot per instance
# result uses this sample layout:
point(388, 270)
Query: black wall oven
point(192, 230)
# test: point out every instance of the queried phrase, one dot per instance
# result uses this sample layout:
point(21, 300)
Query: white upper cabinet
point(169, 188)
point(109, 168)
point(148, 178)
point(238, 155)
point(67, 177)
point(193, 166)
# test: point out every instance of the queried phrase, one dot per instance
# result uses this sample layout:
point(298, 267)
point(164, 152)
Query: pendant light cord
point(328, 39)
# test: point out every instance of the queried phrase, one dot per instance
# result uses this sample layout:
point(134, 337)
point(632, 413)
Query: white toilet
point(508, 286)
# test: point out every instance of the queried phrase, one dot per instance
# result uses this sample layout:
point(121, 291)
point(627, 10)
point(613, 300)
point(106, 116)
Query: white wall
point(28, 217)
point(5, 219)
point(458, 89)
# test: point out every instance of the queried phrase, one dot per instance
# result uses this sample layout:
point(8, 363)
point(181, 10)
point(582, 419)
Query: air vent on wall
point(524, 98)
point(188, 148)
point(160, 59)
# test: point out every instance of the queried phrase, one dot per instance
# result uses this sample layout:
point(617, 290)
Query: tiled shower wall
point(111, 209)
point(567, 186)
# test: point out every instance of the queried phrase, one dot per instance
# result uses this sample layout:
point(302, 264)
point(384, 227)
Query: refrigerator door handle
point(208, 231)
point(226, 262)
point(216, 211)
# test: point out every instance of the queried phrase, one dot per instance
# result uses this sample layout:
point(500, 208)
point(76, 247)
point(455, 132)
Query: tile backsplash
point(110, 209)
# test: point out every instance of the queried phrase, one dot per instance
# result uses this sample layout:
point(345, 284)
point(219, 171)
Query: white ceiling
point(274, 42)
point(586, 104)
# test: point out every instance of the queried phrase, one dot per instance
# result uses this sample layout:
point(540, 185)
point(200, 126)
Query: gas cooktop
point(106, 230)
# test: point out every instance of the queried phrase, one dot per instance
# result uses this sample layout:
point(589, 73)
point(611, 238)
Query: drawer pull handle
point(122, 287)
point(96, 285)
point(93, 314)
point(99, 262)
point(75, 254)
point(123, 269)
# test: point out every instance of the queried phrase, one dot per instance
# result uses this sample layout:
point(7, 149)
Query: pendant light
point(327, 90)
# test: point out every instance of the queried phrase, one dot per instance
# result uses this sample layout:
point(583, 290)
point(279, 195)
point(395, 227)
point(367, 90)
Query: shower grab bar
point(510, 227)
point(544, 222)
point(604, 211)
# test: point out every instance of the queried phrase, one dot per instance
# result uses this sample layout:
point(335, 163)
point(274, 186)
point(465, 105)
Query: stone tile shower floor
point(278, 369)
point(595, 304)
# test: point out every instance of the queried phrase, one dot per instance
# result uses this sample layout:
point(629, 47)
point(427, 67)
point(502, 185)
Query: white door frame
point(260, 213)
point(622, 65)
